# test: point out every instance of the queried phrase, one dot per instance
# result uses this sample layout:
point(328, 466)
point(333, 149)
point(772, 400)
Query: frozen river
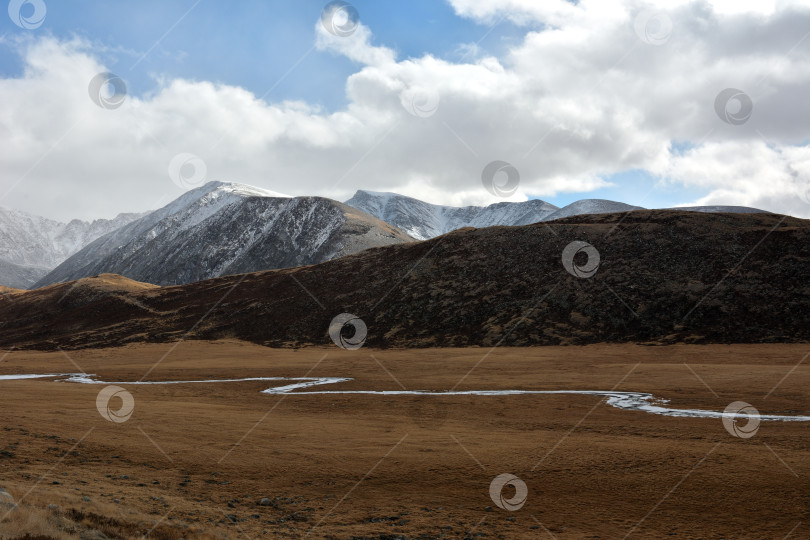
point(307, 386)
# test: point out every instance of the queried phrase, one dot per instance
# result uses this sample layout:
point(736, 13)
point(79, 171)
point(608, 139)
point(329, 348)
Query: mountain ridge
point(34, 251)
point(222, 228)
point(658, 282)
point(423, 220)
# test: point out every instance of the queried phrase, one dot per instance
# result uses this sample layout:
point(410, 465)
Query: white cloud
point(567, 13)
point(356, 46)
point(746, 174)
point(580, 98)
point(554, 12)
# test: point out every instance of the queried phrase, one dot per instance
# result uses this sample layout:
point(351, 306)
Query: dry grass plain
point(195, 460)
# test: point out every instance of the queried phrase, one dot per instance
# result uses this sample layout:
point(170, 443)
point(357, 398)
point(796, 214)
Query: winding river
point(631, 401)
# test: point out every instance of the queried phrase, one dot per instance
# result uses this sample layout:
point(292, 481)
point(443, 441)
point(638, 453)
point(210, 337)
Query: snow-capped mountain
point(225, 228)
point(30, 245)
point(423, 220)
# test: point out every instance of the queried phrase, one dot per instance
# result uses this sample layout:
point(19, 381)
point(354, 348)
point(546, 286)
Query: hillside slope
point(665, 276)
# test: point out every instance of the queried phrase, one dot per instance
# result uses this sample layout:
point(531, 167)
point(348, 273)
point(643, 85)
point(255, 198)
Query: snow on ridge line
point(251, 191)
point(214, 190)
point(198, 204)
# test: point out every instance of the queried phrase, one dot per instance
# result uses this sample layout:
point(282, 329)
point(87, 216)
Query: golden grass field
point(195, 460)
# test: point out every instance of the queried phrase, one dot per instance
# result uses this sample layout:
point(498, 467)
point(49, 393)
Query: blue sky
point(610, 104)
point(251, 43)
point(636, 187)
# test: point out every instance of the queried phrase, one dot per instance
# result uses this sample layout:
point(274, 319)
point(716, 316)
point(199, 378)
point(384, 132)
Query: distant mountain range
point(30, 246)
point(423, 220)
point(226, 228)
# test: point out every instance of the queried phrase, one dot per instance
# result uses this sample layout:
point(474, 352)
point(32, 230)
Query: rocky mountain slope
point(20, 276)
point(223, 228)
point(662, 277)
point(30, 246)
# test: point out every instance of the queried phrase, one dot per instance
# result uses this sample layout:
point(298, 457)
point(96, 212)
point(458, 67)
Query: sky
point(109, 107)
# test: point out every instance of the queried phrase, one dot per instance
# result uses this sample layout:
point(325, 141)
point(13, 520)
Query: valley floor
point(223, 460)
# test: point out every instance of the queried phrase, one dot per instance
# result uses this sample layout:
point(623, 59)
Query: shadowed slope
point(665, 276)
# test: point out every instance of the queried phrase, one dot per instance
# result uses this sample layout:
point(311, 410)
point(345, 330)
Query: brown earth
point(194, 461)
point(9, 290)
point(665, 277)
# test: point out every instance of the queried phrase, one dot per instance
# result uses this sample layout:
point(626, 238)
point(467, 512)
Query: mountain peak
point(376, 193)
point(236, 188)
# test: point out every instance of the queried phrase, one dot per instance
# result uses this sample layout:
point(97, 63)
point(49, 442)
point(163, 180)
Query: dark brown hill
point(665, 276)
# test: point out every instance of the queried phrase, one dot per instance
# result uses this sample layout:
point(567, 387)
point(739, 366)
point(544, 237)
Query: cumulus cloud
point(582, 97)
point(745, 174)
